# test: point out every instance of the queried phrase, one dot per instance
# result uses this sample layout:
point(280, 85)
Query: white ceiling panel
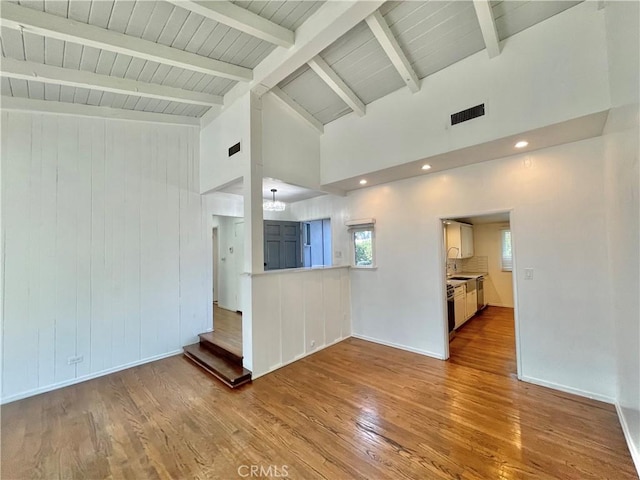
point(360, 61)
point(432, 33)
point(435, 35)
point(512, 17)
point(290, 14)
point(5, 87)
point(313, 94)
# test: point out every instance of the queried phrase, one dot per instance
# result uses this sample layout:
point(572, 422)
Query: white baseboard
point(566, 389)
point(499, 305)
point(299, 357)
point(84, 378)
point(398, 346)
point(633, 448)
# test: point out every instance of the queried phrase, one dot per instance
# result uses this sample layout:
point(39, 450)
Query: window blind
point(507, 256)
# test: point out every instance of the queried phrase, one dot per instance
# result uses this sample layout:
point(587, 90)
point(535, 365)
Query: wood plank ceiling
point(427, 36)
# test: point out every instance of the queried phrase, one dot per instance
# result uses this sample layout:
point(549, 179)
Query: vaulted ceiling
point(182, 58)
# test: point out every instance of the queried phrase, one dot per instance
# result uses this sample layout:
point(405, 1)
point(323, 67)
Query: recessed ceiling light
point(522, 144)
point(363, 182)
point(426, 167)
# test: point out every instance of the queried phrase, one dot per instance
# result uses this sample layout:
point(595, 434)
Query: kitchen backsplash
point(479, 264)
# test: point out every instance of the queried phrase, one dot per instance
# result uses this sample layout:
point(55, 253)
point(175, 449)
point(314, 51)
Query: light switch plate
point(528, 273)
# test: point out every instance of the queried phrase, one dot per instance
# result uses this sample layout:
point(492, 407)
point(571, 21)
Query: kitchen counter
point(472, 276)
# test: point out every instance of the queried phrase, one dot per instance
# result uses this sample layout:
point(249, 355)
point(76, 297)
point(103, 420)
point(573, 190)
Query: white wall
point(622, 178)
point(297, 312)
point(106, 250)
point(558, 223)
point(230, 127)
point(487, 242)
point(549, 73)
point(290, 147)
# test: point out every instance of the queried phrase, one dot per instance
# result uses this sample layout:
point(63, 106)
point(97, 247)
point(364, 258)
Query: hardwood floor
point(354, 410)
point(227, 329)
point(487, 342)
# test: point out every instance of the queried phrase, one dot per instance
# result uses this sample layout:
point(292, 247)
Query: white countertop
point(472, 276)
point(297, 270)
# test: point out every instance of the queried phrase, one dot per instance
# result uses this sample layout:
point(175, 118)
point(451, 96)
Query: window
point(363, 247)
point(507, 255)
point(363, 241)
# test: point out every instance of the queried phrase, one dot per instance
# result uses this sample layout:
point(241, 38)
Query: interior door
point(282, 245)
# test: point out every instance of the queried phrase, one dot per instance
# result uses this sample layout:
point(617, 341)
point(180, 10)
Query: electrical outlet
point(338, 254)
point(313, 343)
point(528, 273)
point(74, 360)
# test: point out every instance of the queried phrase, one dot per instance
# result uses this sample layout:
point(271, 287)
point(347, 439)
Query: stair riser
point(218, 350)
point(231, 383)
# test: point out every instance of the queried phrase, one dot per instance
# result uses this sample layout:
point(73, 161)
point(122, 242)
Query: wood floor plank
point(354, 410)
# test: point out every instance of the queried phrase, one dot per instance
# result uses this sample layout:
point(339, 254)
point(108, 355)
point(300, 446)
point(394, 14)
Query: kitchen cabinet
point(459, 240)
point(471, 303)
point(459, 304)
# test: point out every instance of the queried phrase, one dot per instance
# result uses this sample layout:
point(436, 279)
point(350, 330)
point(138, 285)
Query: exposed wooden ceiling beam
point(77, 78)
point(239, 18)
point(64, 108)
point(330, 22)
point(331, 78)
point(297, 109)
point(391, 47)
point(40, 23)
point(488, 27)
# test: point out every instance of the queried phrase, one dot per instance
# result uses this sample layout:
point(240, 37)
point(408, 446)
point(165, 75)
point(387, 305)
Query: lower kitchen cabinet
point(471, 303)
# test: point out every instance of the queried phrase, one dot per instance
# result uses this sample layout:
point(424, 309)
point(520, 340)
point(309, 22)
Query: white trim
point(442, 260)
point(391, 47)
point(225, 12)
point(501, 305)
point(633, 449)
point(63, 108)
point(331, 78)
point(51, 74)
point(398, 346)
point(567, 389)
point(362, 222)
point(52, 26)
point(299, 357)
point(84, 378)
point(296, 108)
point(488, 27)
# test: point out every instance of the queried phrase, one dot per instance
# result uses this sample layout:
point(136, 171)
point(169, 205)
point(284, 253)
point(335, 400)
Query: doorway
point(227, 237)
point(216, 263)
point(480, 318)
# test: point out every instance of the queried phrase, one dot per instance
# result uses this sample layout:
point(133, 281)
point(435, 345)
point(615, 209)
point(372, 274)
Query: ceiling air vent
point(235, 149)
point(468, 114)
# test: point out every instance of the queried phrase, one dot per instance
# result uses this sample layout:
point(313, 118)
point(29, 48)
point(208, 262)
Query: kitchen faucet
point(446, 259)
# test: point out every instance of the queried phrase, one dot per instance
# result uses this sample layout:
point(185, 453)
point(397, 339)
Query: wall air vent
point(468, 114)
point(235, 149)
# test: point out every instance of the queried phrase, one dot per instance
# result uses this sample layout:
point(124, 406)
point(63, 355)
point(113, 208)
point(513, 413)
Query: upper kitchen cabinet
point(459, 240)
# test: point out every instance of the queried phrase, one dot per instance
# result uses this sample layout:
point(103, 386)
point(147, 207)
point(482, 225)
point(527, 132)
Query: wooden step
point(222, 345)
point(222, 368)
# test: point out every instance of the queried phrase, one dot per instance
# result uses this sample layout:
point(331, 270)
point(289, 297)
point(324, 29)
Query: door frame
point(514, 278)
point(215, 248)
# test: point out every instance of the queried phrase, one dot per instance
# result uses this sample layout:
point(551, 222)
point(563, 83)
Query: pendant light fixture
point(273, 205)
